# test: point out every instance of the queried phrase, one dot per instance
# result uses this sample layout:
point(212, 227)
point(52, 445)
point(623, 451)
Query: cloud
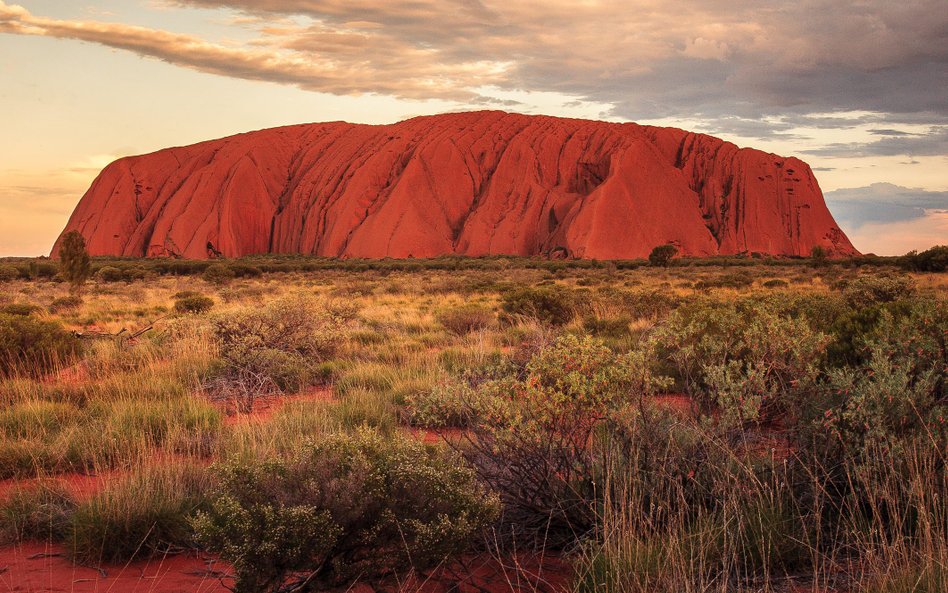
point(932, 143)
point(888, 219)
point(883, 203)
point(336, 69)
point(734, 60)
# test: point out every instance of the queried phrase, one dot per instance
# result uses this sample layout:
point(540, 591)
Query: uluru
point(476, 183)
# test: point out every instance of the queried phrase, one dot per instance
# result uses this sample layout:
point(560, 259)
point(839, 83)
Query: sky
point(858, 89)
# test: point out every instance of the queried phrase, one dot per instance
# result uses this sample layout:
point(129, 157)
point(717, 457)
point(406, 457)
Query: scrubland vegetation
point(722, 425)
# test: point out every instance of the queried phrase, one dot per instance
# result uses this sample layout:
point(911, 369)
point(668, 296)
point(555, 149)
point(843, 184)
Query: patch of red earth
point(79, 485)
point(485, 573)
point(44, 568)
point(676, 402)
point(263, 407)
point(436, 435)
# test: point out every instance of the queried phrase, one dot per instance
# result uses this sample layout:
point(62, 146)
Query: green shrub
point(608, 328)
point(196, 304)
point(110, 274)
point(931, 260)
point(218, 274)
point(19, 309)
point(549, 304)
point(67, 303)
point(464, 320)
point(243, 270)
point(8, 273)
point(75, 266)
point(33, 346)
point(874, 289)
point(534, 434)
point(451, 403)
point(775, 283)
point(283, 343)
point(734, 280)
point(662, 255)
point(745, 360)
point(344, 509)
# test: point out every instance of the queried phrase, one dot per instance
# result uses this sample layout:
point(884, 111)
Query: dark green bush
point(110, 274)
point(67, 303)
point(19, 309)
point(8, 273)
point(244, 270)
point(549, 304)
point(350, 508)
point(931, 260)
point(218, 274)
point(775, 283)
point(195, 304)
point(662, 255)
point(735, 280)
point(33, 346)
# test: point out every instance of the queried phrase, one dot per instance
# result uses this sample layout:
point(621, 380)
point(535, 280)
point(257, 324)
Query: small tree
point(818, 256)
point(662, 254)
point(74, 258)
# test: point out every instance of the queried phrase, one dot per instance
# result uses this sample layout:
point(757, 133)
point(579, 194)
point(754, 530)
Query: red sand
point(43, 568)
point(467, 183)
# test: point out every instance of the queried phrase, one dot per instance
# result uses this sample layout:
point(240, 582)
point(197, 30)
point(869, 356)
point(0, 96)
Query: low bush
point(662, 255)
point(549, 304)
point(218, 274)
point(736, 280)
point(195, 304)
point(110, 274)
point(535, 437)
point(607, 328)
point(66, 303)
point(874, 289)
point(746, 361)
point(19, 309)
point(345, 509)
point(32, 346)
point(284, 342)
point(8, 273)
point(464, 320)
point(451, 403)
point(930, 260)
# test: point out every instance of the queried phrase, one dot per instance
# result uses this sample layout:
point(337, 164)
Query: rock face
point(469, 183)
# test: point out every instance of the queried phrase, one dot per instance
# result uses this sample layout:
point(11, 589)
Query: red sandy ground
point(43, 568)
